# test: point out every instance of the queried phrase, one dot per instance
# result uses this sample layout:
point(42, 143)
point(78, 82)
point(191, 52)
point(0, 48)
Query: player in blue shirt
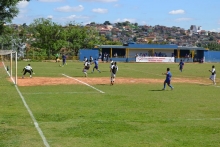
point(181, 64)
point(96, 66)
point(168, 79)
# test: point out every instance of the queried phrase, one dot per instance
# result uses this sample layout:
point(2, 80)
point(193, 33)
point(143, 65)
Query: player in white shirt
point(86, 67)
point(213, 75)
point(28, 69)
point(111, 62)
point(113, 70)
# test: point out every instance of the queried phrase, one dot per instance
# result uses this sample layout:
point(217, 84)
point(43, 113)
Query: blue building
point(130, 52)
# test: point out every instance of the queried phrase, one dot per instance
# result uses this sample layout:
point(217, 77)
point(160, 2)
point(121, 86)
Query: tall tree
point(8, 11)
point(107, 23)
point(6, 37)
point(47, 35)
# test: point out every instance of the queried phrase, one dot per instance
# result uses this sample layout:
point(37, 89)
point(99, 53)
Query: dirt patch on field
point(37, 81)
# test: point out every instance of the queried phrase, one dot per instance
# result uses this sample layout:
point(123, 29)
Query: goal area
point(9, 61)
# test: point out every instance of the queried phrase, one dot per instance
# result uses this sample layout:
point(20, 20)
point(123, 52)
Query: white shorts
point(113, 75)
point(213, 77)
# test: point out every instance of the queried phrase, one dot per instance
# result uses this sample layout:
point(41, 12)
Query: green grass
point(126, 115)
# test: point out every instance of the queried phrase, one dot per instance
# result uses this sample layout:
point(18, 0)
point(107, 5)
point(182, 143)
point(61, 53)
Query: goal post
point(9, 61)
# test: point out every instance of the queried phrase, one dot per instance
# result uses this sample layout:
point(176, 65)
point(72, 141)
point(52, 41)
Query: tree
point(8, 11)
point(75, 36)
point(107, 23)
point(5, 37)
point(126, 23)
point(136, 24)
point(47, 36)
point(211, 38)
point(135, 39)
point(199, 44)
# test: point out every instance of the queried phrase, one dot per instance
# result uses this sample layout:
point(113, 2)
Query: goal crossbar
point(6, 52)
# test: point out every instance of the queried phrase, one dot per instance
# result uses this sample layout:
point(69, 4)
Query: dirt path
point(37, 81)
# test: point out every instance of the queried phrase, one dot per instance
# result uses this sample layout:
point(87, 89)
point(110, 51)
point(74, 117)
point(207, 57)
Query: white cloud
point(117, 5)
point(126, 19)
point(104, 1)
point(70, 9)
point(143, 22)
point(22, 4)
point(215, 30)
point(180, 11)
point(71, 17)
point(183, 19)
point(99, 10)
point(51, 1)
point(50, 16)
point(22, 15)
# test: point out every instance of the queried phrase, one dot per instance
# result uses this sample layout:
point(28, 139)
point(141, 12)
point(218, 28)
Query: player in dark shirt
point(181, 64)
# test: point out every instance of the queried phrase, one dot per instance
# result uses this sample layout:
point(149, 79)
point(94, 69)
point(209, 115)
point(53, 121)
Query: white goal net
point(9, 61)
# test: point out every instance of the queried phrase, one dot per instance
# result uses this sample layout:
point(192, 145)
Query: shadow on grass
point(157, 90)
point(104, 71)
point(206, 84)
point(79, 76)
point(103, 84)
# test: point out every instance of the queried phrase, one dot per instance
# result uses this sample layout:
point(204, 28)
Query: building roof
point(111, 46)
point(191, 48)
point(150, 46)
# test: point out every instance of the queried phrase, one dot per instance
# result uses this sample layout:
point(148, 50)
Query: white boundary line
point(8, 73)
point(83, 83)
point(33, 118)
point(31, 114)
point(205, 119)
point(36, 93)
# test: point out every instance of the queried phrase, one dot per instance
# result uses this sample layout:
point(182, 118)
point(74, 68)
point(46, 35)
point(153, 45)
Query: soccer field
point(60, 107)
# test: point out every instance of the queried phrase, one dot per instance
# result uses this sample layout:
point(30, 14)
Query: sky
point(179, 13)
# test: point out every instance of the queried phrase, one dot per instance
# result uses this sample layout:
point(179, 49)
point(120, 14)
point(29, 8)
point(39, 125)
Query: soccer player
point(64, 59)
point(96, 66)
point(111, 62)
point(181, 64)
point(57, 57)
point(91, 59)
point(213, 75)
point(113, 70)
point(28, 69)
point(168, 79)
point(86, 67)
